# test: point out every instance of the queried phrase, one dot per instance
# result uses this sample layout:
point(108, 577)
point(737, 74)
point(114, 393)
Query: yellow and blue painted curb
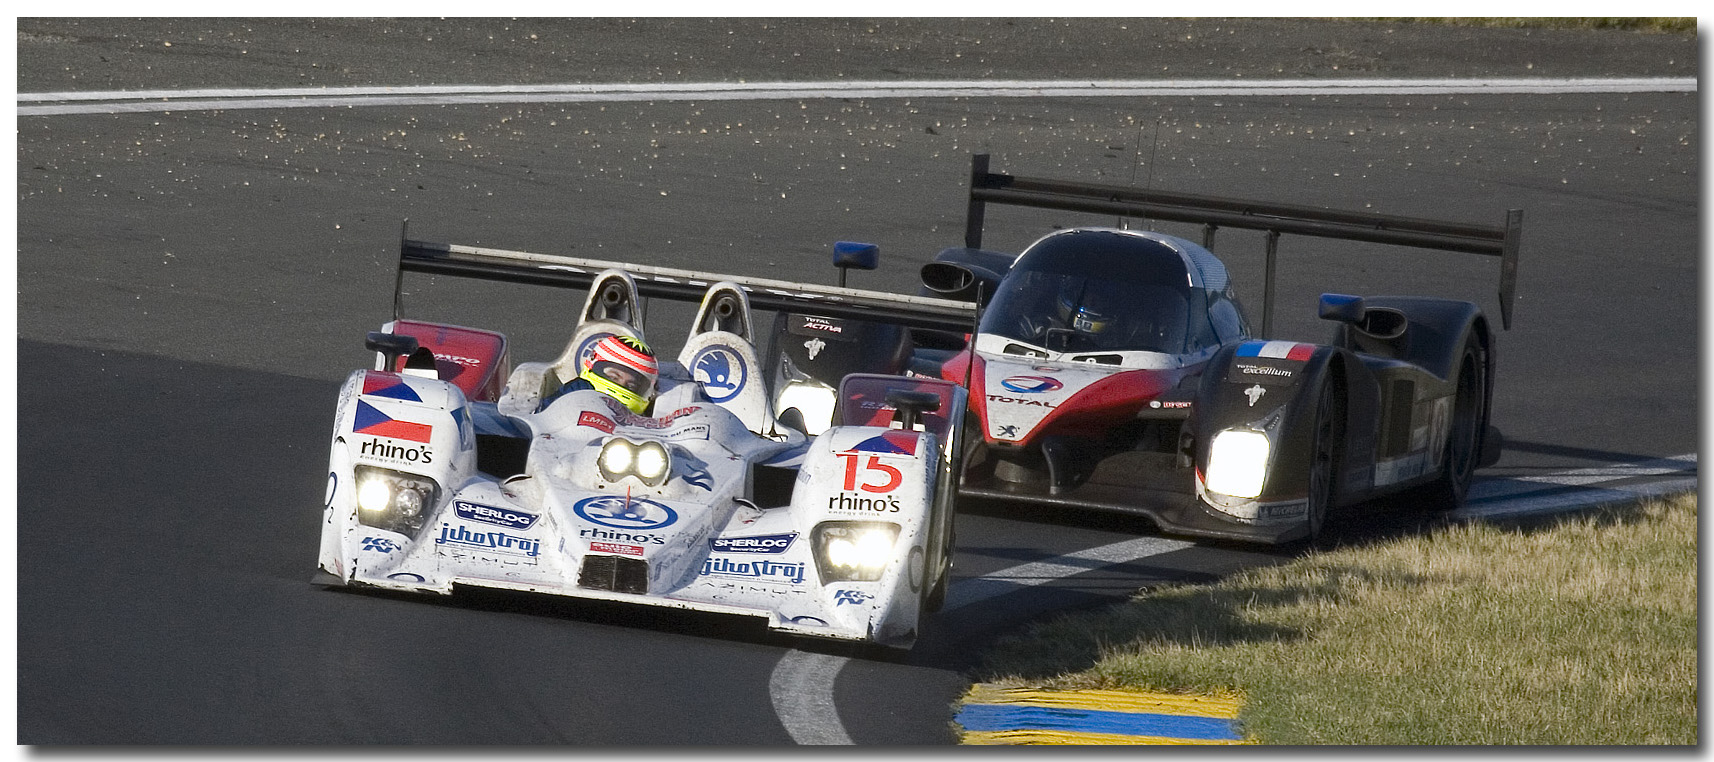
point(993, 715)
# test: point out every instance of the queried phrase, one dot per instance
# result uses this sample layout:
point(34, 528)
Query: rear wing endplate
point(681, 285)
point(1214, 213)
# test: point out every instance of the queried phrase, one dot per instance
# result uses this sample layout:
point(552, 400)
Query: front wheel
point(947, 529)
point(1323, 464)
point(936, 596)
point(947, 505)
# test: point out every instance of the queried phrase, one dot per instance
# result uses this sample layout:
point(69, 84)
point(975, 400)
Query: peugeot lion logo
point(1255, 393)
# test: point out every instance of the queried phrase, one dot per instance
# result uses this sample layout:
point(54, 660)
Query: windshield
point(1098, 290)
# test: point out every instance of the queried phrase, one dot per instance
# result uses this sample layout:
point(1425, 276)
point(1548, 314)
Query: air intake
point(620, 575)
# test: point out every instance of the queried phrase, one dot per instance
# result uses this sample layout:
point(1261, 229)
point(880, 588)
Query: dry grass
point(1582, 632)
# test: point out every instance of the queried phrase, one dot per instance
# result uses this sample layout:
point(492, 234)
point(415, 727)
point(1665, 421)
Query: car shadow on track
point(598, 613)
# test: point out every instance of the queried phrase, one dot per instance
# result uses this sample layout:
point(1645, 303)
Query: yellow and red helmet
point(624, 368)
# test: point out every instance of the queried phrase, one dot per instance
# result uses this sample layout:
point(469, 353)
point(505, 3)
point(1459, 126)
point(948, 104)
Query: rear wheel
point(1464, 434)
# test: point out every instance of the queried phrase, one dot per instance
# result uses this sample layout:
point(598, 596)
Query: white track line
point(1504, 487)
point(208, 99)
point(802, 683)
point(977, 589)
point(802, 691)
point(1575, 499)
point(801, 686)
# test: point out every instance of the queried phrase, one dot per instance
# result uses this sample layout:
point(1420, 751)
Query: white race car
point(447, 470)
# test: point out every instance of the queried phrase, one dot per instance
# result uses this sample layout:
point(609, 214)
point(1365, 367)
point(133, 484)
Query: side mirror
point(390, 346)
point(850, 254)
point(1342, 308)
point(910, 404)
point(1379, 322)
point(863, 256)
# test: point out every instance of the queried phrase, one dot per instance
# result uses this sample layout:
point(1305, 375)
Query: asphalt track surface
point(193, 286)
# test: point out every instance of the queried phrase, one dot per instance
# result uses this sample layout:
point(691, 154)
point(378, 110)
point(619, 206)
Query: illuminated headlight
point(374, 495)
point(813, 399)
point(648, 461)
point(854, 550)
point(393, 500)
point(616, 457)
point(1238, 463)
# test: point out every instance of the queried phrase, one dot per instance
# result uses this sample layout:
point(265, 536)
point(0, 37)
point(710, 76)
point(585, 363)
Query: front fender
point(867, 476)
point(1268, 387)
point(398, 423)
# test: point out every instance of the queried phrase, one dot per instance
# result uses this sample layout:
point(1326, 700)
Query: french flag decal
point(1279, 350)
point(375, 423)
point(389, 385)
point(890, 443)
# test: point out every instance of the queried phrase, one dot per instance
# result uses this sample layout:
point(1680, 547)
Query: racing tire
point(1323, 463)
point(1465, 430)
point(936, 596)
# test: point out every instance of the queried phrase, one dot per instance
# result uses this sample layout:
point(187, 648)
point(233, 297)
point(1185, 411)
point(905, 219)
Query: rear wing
point(1214, 213)
point(680, 285)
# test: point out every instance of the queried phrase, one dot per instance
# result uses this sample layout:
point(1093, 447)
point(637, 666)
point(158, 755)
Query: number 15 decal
point(889, 480)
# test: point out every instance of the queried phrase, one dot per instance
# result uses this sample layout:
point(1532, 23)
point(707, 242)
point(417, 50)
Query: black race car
point(1115, 369)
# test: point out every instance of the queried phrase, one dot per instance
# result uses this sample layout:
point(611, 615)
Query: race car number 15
point(889, 481)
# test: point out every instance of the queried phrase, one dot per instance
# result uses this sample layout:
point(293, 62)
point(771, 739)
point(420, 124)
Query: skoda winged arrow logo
point(620, 512)
point(586, 350)
point(721, 372)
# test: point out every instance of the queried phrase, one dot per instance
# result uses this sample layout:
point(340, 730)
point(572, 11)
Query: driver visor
point(629, 378)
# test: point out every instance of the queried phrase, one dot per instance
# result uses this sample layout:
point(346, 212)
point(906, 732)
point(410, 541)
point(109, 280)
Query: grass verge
point(1578, 631)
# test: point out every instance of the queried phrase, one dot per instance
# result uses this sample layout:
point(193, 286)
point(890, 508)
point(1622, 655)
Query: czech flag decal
point(890, 443)
point(375, 423)
point(389, 385)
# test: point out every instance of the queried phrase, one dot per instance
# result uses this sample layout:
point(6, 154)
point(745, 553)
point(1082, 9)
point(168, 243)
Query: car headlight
point(393, 500)
point(854, 550)
point(813, 399)
point(1238, 463)
point(648, 461)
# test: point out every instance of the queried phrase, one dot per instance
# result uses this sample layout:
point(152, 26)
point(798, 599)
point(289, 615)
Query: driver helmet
point(624, 368)
point(1087, 310)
